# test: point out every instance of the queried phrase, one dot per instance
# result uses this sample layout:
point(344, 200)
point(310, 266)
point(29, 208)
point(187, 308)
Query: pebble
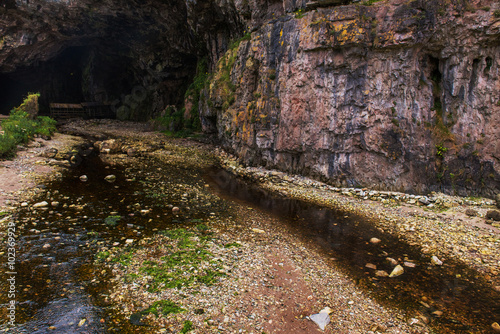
point(398, 271)
point(54, 203)
point(371, 266)
point(436, 261)
point(110, 178)
point(375, 240)
point(392, 261)
point(381, 273)
point(437, 313)
point(41, 204)
point(46, 246)
point(496, 327)
point(258, 230)
point(129, 241)
point(175, 209)
point(409, 264)
point(84, 178)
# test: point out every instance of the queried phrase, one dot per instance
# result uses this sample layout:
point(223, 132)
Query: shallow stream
point(60, 290)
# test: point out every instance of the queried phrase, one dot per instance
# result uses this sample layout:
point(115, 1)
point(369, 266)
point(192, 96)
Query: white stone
point(398, 271)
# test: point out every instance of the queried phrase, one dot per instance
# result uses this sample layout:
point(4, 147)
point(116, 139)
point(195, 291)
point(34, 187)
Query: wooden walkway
point(82, 110)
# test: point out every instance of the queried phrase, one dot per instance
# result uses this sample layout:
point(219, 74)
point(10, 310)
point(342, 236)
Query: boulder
point(493, 215)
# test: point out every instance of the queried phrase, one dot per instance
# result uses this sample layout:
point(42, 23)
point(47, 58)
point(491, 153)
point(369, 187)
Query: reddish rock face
point(400, 96)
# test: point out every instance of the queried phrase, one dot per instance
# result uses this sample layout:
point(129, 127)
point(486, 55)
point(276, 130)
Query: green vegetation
point(232, 244)
point(22, 126)
point(272, 75)
point(125, 258)
point(184, 123)
point(193, 95)
point(496, 13)
point(440, 150)
point(369, 2)
point(188, 326)
point(235, 44)
point(187, 262)
point(112, 220)
point(101, 256)
point(299, 14)
point(164, 307)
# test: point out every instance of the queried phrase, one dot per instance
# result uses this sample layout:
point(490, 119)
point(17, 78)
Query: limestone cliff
point(400, 95)
point(392, 94)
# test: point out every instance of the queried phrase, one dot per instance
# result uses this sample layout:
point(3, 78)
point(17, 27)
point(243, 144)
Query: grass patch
point(21, 126)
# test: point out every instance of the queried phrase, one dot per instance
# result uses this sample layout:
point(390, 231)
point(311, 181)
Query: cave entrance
point(57, 80)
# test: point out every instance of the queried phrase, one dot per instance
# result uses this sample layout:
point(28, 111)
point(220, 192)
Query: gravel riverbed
point(238, 268)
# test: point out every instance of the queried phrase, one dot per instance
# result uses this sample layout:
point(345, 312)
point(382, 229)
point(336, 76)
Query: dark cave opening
point(111, 75)
point(57, 80)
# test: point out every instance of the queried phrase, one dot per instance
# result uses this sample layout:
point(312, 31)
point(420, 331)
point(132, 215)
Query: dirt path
point(20, 176)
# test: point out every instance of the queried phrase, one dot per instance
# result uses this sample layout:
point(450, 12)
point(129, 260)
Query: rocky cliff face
point(393, 94)
point(400, 95)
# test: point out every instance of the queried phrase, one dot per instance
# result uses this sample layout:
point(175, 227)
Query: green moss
point(232, 244)
point(112, 220)
point(181, 267)
point(125, 258)
point(188, 326)
point(164, 307)
point(236, 43)
point(129, 278)
point(101, 256)
point(496, 13)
